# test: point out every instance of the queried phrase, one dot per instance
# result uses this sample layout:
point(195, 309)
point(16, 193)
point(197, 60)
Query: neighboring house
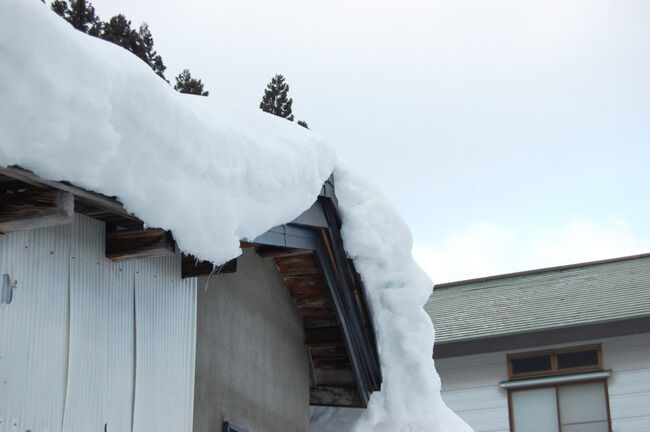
point(558, 349)
point(105, 325)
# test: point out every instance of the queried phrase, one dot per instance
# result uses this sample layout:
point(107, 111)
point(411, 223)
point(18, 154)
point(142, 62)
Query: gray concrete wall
point(252, 367)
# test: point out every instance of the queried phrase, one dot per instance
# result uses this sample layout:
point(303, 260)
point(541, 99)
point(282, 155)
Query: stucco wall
point(252, 367)
point(470, 384)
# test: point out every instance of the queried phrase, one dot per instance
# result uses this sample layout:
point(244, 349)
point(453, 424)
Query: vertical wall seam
point(67, 332)
point(135, 352)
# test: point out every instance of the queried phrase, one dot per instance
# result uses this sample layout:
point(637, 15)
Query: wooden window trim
point(554, 366)
point(511, 419)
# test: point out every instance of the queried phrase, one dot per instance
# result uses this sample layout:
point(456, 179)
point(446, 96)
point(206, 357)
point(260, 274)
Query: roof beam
point(334, 396)
point(99, 200)
point(35, 208)
point(138, 243)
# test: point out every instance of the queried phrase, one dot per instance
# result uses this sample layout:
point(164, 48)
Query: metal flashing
point(557, 379)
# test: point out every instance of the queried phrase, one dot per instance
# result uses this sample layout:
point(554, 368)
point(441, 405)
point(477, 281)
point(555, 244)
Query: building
point(106, 325)
point(557, 349)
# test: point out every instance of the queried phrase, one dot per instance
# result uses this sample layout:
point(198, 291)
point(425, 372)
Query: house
point(116, 196)
point(107, 325)
point(557, 349)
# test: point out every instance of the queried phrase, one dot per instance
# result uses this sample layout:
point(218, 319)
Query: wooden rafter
point(30, 208)
point(138, 243)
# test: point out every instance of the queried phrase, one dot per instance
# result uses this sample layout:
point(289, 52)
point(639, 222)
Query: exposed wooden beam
point(192, 267)
point(266, 252)
point(35, 208)
point(150, 242)
point(100, 200)
point(334, 396)
point(323, 336)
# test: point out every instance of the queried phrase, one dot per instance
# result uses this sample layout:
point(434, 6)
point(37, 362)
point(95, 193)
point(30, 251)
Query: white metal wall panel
point(629, 386)
point(470, 387)
point(33, 329)
point(470, 384)
point(165, 346)
point(101, 367)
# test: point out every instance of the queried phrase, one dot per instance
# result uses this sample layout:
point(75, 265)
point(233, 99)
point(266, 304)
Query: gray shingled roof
point(559, 297)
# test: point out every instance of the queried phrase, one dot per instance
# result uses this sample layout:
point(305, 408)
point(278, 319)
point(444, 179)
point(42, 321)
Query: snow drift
point(79, 109)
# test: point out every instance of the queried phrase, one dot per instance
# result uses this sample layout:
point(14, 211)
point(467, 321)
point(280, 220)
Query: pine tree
point(276, 100)
point(303, 124)
point(150, 56)
point(80, 14)
point(118, 30)
point(60, 7)
point(186, 84)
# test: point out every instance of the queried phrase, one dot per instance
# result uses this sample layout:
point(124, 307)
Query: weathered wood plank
point(323, 336)
point(128, 244)
point(268, 252)
point(35, 208)
point(334, 396)
point(28, 177)
point(192, 267)
point(300, 265)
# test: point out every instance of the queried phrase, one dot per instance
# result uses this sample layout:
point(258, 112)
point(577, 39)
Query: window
point(555, 362)
point(558, 391)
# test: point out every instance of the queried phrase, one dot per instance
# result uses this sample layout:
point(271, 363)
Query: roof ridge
point(538, 271)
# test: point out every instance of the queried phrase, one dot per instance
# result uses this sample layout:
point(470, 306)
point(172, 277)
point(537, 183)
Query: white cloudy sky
point(510, 134)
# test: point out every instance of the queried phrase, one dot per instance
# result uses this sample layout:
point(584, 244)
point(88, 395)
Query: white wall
point(629, 386)
point(470, 384)
point(470, 387)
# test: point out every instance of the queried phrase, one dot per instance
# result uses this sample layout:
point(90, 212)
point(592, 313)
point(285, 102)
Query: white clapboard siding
point(33, 329)
point(470, 384)
point(100, 377)
point(629, 386)
point(165, 346)
point(470, 388)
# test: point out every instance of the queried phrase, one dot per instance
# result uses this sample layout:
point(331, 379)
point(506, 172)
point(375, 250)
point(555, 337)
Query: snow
point(380, 244)
point(79, 109)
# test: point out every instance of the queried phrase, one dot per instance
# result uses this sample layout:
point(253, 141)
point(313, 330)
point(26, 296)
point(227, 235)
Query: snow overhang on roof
point(308, 253)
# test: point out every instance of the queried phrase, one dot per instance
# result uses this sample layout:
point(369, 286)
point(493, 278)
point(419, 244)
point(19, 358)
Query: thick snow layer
point(79, 109)
point(380, 243)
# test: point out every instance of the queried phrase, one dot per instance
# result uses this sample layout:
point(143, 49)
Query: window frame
point(555, 371)
point(511, 420)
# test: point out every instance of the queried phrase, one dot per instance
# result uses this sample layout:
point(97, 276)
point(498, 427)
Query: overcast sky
point(511, 135)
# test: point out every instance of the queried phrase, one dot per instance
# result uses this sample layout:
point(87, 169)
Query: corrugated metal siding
point(165, 346)
point(33, 329)
point(100, 377)
point(70, 338)
point(563, 298)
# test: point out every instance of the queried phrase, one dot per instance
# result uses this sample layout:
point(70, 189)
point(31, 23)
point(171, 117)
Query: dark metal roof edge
point(302, 234)
point(538, 271)
point(542, 337)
